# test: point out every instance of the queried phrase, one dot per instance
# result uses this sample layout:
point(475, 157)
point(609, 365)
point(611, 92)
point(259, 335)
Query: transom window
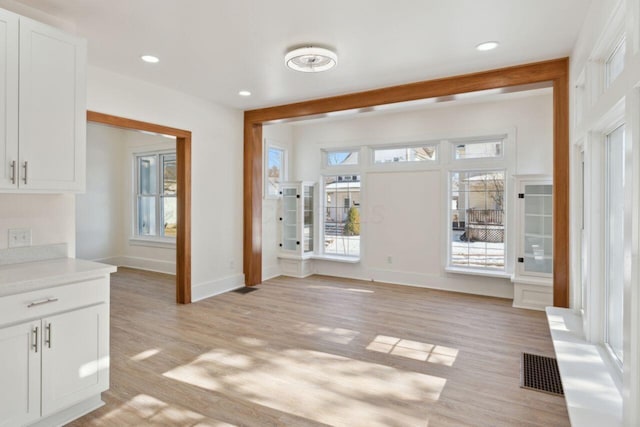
point(342, 215)
point(156, 195)
point(614, 65)
point(477, 219)
point(341, 157)
point(478, 149)
point(405, 154)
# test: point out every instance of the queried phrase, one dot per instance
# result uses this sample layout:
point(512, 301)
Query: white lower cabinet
point(54, 353)
point(20, 374)
point(75, 357)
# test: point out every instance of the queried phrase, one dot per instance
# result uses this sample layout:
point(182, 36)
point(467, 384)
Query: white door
point(20, 349)
point(75, 357)
point(8, 99)
point(52, 108)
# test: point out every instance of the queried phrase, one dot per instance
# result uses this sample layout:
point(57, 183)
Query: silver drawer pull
point(42, 302)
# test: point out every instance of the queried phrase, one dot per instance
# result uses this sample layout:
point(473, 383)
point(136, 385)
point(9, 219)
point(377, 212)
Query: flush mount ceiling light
point(150, 59)
point(311, 59)
point(487, 46)
point(244, 93)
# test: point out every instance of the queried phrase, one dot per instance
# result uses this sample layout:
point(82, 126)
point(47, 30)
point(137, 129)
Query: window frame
point(159, 239)
point(320, 249)
point(269, 145)
point(507, 163)
point(620, 44)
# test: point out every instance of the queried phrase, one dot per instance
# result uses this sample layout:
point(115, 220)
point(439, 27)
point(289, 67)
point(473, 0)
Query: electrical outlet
point(19, 237)
point(232, 265)
point(389, 259)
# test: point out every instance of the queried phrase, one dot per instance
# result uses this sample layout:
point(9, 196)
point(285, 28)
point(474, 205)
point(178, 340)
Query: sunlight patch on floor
point(414, 350)
point(318, 386)
point(149, 411)
point(145, 354)
point(335, 335)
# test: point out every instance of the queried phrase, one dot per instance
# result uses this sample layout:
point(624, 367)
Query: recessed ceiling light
point(150, 59)
point(311, 59)
point(487, 46)
point(244, 93)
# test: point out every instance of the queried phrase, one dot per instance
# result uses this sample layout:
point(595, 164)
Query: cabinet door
point(52, 109)
point(20, 349)
point(75, 357)
point(8, 100)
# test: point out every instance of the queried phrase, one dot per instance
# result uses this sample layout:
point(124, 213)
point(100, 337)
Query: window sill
point(336, 258)
point(153, 243)
point(474, 272)
point(589, 381)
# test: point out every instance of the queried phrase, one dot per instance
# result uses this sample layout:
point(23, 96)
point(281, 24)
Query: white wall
point(104, 214)
point(281, 136)
point(216, 169)
point(403, 211)
point(598, 108)
point(99, 218)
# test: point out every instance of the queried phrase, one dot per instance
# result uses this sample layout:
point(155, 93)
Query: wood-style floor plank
point(320, 351)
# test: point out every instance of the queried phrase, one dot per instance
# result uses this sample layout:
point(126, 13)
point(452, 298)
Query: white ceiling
point(214, 48)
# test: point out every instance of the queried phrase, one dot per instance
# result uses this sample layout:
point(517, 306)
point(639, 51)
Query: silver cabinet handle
point(35, 339)
point(44, 301)
point(26, 166)
point(47, 339)
point(13, 172)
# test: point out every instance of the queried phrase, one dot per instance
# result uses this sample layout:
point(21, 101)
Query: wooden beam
point(252, 258)
point(561, 195)
point(183, 153)
point(494, 79)
point(555, 71)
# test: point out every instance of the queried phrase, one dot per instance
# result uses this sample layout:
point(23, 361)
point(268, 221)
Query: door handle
point(26, 168)
point(34, 332)
point(47, 339)
point(13, 172)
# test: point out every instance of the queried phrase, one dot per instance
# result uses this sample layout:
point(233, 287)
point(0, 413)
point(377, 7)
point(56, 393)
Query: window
point(477, 219)
point(342, 215)
point(405, 154)
point(341, 157)
point(614, 65)
point(478, 150)
point(275, 170)
point(155, 196)
point(614, 240)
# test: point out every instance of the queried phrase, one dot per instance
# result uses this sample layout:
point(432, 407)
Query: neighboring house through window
point(155, 195)
point(342, 215)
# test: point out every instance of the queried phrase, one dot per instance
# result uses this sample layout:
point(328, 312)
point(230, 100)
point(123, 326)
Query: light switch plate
point(19, 237)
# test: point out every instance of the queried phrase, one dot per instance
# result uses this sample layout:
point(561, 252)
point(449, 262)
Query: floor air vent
point(245, 289)
point(540, 373)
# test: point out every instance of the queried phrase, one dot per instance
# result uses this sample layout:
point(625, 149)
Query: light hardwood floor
point(320, 351)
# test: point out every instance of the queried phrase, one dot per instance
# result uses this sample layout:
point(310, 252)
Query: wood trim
point(555, 71)
point(493, 79)
point(252, 258)
point(561, 180)
point(183, 152)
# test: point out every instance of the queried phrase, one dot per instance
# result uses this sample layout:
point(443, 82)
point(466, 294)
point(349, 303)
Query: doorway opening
point(157, 215)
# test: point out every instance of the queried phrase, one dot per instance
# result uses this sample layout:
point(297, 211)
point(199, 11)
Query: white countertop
point(592, 396)
point(31, 276)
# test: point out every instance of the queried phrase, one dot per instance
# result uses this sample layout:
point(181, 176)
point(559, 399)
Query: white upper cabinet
point(9, 24)
point(48, 145)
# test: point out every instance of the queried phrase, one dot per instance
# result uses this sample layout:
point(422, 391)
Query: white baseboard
point(167, 267)
point(271, 271)
point(487, 286)
point(216, 287)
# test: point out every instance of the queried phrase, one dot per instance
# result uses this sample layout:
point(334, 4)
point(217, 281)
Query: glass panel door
point(308, 219)
point(289, 223)
point(538, 228)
